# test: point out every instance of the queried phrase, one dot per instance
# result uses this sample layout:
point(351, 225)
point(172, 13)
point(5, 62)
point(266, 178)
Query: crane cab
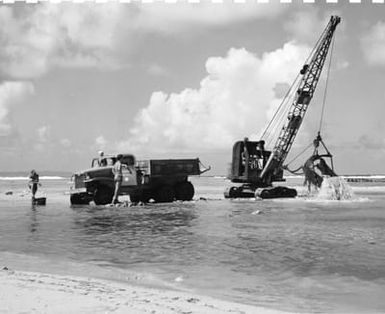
point(248, 161)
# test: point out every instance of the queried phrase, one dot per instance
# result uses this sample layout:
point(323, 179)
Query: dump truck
point(160, 180)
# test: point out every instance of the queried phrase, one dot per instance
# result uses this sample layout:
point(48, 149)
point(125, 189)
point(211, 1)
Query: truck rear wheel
point(135, 198)
point(165, 194)
point(80, 199)
point(184, 191)
point(146, 196)
point(143, 196)
point(103, 195)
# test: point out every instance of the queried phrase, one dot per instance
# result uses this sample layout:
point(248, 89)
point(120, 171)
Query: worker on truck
point(118, 177)
point(102, 162)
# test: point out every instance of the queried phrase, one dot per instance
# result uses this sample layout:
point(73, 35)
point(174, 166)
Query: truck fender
point(100, 180)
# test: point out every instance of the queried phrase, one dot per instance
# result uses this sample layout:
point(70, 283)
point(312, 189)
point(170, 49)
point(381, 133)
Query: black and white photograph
point(192, 156)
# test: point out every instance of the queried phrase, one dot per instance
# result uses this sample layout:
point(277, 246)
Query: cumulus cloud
point(65, 142)
point(371, 142)
point(178, 17)
point(157, 70)
point(341, 65)
point(36, 38)
point(100, 142)
point(236, 99)
point(306, 26)
point(373, 44)
point(43, 133)
point(10, 94)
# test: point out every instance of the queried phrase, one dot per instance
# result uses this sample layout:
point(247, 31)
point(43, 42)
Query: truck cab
point(105, 164)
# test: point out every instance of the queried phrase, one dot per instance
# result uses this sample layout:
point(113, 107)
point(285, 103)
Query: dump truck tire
point(184, 191)
point(79, 199)
point(165, 194)
point(276, 192)
point(103, 195)
point(144, 196)
point(135, 198)
point(232, 192)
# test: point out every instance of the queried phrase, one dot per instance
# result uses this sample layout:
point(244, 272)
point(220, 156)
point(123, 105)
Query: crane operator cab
point(249, 158)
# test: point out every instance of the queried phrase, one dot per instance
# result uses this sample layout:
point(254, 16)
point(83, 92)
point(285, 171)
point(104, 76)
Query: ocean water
point(309, 254)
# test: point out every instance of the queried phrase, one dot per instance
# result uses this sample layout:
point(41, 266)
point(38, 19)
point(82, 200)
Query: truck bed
point(170, 167)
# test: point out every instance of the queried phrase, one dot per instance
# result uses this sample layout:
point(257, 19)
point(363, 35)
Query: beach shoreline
point(35, 292)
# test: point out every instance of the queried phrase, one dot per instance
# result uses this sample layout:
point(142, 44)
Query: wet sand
point(32, 292)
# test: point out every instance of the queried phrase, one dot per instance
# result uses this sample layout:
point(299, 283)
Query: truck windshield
point(107, 161)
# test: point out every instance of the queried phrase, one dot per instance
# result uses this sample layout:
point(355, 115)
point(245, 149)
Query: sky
point(183, 80)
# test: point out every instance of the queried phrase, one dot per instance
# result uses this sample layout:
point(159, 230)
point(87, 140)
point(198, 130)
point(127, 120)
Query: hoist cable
point(326, 86)
point(273, 130)
point(280, 106)
point(303, 151)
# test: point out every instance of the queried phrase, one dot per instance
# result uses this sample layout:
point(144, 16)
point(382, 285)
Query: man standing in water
point(118, 177)
point(33, 183)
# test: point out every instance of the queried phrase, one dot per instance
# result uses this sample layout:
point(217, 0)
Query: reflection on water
point(34, 221)
point(142, 221)
point(136, 234)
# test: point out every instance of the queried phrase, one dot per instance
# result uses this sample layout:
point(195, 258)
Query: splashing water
point(335, 188)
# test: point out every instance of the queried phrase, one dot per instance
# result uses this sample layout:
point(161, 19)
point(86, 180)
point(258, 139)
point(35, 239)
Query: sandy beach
point(32, 292)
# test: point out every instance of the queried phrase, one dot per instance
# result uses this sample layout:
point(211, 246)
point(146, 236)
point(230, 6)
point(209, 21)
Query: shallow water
point(302, 255)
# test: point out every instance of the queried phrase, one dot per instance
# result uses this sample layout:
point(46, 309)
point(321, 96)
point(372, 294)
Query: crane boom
point(310, 76)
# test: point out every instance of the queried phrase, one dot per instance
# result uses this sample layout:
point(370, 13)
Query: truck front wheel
point(103, 195)
point(184, 191)
point(165, 194)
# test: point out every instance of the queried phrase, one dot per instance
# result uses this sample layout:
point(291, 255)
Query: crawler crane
point(256, 168)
